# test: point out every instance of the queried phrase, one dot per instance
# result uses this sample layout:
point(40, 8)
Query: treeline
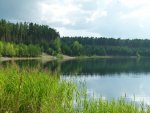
point(30, 39)
point(19, 50)
point(46, 38)
point(75, 46)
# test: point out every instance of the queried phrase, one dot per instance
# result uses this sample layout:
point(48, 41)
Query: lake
point(106, 78)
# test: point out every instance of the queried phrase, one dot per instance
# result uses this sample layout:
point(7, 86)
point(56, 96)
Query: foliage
point(77, 48)
point(56, 44)
point(49, 41)
point(19, 50)
point(105, 46)
point(29, 34)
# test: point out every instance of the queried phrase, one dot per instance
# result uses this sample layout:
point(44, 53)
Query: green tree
point(9, 50)
point(1, 48)
point(77, 48)
point(56, 45)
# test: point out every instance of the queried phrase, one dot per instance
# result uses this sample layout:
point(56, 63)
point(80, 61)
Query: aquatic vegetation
point(39, 91)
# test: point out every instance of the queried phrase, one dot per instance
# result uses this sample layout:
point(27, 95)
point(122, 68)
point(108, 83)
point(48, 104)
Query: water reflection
point(105, 66)
point(91, 67)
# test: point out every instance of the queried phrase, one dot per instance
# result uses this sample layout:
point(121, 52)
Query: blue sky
point(108, 18)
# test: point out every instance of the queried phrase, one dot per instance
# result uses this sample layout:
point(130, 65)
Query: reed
point(39, 91)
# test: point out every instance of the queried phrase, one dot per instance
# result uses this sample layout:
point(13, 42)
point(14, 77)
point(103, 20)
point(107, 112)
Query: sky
point(97, 18)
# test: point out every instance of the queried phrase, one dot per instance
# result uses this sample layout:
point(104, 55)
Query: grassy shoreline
point(39, 91)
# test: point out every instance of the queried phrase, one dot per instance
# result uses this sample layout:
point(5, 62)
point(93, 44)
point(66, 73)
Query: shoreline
point(106, 57)
point(45, 57)
point(18, 58)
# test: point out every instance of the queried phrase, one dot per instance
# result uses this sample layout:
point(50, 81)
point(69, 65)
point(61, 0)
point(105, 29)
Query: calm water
point(107, 78)
point(112, 78)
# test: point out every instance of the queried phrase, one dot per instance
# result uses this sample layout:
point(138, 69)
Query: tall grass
point(38, 91)
point(33, 91)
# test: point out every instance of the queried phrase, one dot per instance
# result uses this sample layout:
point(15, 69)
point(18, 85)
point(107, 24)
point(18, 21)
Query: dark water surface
point(107, 78)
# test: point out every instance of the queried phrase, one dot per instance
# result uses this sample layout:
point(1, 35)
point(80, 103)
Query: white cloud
point(110, 18)
point(138, 14)
point(96, 15)
point(62, 13)
point(135, 3)
point(72, 32)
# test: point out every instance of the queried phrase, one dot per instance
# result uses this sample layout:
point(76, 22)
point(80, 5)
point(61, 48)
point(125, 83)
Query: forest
point(27, 39)
point(30, 39)
point(102, 46)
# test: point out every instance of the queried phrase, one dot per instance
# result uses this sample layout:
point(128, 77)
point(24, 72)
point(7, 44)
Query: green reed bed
point(39, 91)
point(33, 91)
